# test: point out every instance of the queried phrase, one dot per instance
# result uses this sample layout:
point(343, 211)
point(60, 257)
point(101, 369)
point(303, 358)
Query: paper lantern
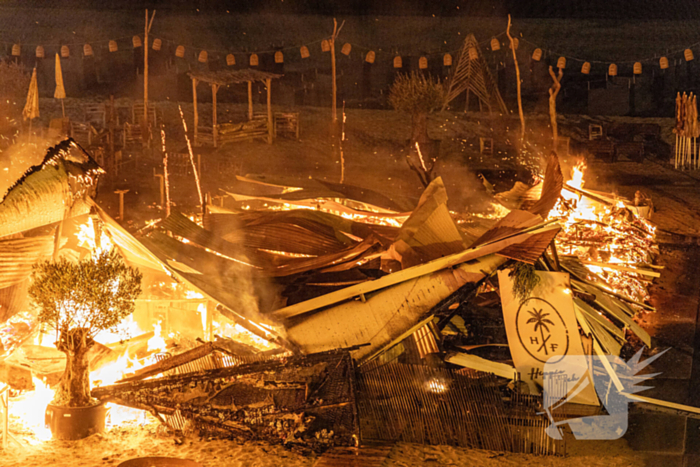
point(254, 60)
point(561, 63)
point(447, 60)
point(346, 49)
point(473, 54)
point(423, 63)
point(180, 51)
point(136, 40)
point(39, 52)
point(230, 60)
point(65, 52)
point(586, 68)
point(637, 69)
point(370, 56)
point(157, 44)
point(663, 63)
point(537, 55)
point(325, 45)
point(495, 44)
point(279, 58)
point(87, 50)
point(203, 56)
point(304, 52)
point(688, 54)
point(398, 63)
point(113, 46)
point(16, 50)
point(516, 43)
point(612, 70)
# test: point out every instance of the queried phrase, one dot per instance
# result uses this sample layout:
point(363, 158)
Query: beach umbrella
point(60, 92)
point(31, 108)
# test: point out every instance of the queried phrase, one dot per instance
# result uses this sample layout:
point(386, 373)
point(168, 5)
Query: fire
point(603, 233)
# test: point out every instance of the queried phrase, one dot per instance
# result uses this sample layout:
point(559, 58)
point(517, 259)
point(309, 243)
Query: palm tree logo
point(540, 320)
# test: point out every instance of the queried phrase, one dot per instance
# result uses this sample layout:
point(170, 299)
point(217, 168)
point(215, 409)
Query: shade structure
point(31, 108)
point(60, 92)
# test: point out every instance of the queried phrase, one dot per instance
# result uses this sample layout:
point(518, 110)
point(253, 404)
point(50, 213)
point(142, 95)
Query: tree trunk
point(419, 127)
point(74, 388)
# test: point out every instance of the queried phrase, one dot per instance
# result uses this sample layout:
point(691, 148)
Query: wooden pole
point(268, 84)
point(147, 27)
point(553, 91)
point(111, 131)
point(334, 110)
point(194, 105)
point(214, 90)
point(517, 75)
point(250, 100)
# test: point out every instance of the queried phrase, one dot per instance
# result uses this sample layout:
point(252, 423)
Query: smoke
point(19, 156)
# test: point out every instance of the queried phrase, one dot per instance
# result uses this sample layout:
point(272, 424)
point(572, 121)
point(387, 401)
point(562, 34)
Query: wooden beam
point(268, 85)
point(214, 90)
point(194, 105)
point(250, 100)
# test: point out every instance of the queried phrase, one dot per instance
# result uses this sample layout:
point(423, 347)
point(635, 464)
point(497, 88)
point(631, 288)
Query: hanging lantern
point(87, 50)
point(612, 70)
point(586, 68)
point(688, 54)
point(157, 44)
point(279, 58)
point(346, 49)
point(561, 63)
point(537, 55)
point(663, 63)
point(304, 52)
point(637, 69)
point(203, 56)
point(180, 51)
point(16, 50)
point(473, 54)
point(495, 44)
point(113, 46)
point(230, 60)
point(65, 52)
point(370, 57)
point(254, 60)
point(398, 63)
point(447, 60)
point(516, 43)
point(39, 52)
point(136, 40)
point(325, 45)
point(423, 63)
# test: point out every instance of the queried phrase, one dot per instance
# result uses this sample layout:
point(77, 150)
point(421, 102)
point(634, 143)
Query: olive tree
point(78, 300)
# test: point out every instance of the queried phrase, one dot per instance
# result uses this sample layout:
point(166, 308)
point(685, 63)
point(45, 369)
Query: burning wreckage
point(326, 314)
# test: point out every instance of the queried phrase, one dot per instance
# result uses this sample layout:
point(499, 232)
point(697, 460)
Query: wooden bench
point(286, 123)
point(132, 134)
point(137, 114)
point(602, 148)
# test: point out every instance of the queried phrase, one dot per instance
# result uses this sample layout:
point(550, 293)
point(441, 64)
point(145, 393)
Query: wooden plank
point(481, 364)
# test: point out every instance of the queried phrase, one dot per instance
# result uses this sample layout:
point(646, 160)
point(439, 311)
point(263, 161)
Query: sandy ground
point(120, 444)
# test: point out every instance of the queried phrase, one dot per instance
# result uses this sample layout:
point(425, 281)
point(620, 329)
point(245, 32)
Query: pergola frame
point(217, 79)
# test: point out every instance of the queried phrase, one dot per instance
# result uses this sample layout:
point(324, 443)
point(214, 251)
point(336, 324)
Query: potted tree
point(77, 301)
point(419, 95)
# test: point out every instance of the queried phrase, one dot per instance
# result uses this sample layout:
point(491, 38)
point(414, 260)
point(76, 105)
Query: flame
point(605, 232)
point(86, 238)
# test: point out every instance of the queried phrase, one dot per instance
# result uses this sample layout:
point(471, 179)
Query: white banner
point(543, 329)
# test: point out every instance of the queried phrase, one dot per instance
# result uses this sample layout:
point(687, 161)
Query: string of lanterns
point(369, 55)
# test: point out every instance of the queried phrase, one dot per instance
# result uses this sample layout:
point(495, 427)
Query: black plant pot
point(75, 422)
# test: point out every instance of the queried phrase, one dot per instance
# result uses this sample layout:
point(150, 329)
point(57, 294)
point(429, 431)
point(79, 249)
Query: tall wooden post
point(334, 103)
point(250, 100)
point(194, 105)
point(517, 76)
point(111, 134)
point(214, 131)
point(268, 84)
point(144, 126)
point(553, 91)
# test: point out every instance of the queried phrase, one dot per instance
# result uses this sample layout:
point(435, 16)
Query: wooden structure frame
point(224, 78)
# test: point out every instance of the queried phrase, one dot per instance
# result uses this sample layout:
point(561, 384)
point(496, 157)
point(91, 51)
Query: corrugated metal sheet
point(17, 256)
